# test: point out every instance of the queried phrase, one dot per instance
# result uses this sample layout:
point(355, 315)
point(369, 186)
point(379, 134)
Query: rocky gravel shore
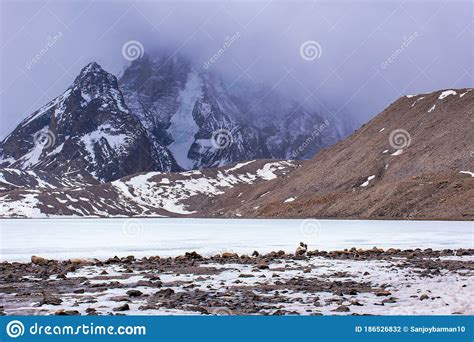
point(347, 282)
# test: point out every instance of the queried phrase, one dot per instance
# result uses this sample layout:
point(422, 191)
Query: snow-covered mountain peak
point(164, 114)
point(94, 82)
point(88, 129)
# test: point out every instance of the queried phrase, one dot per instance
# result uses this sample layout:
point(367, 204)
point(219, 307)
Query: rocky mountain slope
point(155, 194)
point(87, 131)
point(415, 160)
point(162, 115)
point(205, 123)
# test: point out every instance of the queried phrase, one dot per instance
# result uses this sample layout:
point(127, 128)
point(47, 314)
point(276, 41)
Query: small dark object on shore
point(166, 293)
point(342, 308)
point(134, 293)
point(193, 255)
point(63, 312)
point(50, 300)
point(124, 307)
point(302, 249)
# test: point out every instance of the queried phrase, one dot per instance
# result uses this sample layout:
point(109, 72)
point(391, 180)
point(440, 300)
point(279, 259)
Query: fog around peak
point(351, 58)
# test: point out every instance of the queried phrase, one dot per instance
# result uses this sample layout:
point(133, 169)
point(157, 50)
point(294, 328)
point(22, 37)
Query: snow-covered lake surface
point(104, 238)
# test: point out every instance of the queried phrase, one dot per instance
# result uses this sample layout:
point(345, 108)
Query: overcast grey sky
point(368, 53)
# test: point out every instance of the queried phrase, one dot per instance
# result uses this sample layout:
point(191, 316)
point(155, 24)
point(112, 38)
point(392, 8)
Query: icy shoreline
point(101, 238)
point(347, 282)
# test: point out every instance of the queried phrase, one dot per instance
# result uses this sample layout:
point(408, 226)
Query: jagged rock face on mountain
point(166, 116)
point(203, 124)
point(88, 130)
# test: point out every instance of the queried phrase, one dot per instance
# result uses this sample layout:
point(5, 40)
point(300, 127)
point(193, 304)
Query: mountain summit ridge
point(163, 114)
point(87, 130)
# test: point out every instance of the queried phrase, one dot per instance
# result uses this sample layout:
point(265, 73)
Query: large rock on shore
point(39, 260)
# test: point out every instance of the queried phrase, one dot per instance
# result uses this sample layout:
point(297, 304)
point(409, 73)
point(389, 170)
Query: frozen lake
point(103, 238)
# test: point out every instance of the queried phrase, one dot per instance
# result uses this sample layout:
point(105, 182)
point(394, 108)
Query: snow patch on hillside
point(148, 190)
point(26, 206)
point(467, 173)
point(446, 93)
point(367, 181)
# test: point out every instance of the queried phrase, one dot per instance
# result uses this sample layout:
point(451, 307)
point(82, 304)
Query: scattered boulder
point(392, 251)
point(242, 275)
point(193, 255)
point(79, 261)
point(39, 260)
point(150, 283)
point(123, 307)
point(383, 293)
point(50, 300)
point(342, 308)
point(229, 255)
point(389, 300)
point(63, 312)
point(166, 293)
point(134, 293)
point(301, 249)
point(113, 260)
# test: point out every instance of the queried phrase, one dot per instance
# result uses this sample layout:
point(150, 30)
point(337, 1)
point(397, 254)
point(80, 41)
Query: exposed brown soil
point(421, 181)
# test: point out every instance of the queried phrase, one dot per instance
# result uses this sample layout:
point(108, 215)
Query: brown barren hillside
point(413, 160)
